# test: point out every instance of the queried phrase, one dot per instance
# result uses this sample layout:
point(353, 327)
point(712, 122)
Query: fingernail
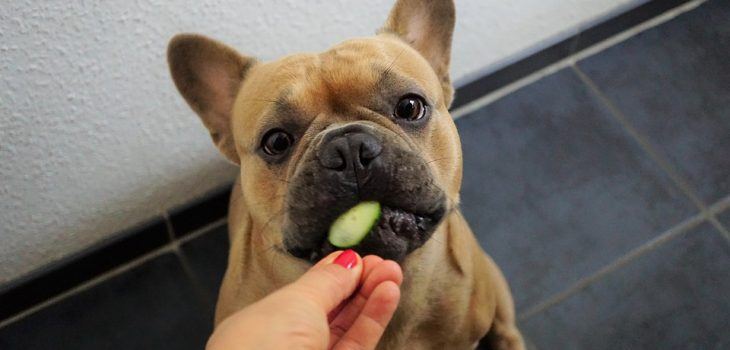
point(347, 259)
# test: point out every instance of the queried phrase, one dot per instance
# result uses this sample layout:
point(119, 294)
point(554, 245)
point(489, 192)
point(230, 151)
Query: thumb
point(329, 282)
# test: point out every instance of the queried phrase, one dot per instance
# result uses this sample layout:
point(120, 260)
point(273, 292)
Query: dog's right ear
point(209, 74)
point(428, 26)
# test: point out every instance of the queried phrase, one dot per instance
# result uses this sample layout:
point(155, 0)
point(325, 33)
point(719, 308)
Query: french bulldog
point(315, 134)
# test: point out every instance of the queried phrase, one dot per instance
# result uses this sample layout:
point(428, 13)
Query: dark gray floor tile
point(724, 218)
point(151, 306)
point(71, 271)
point(208, 257)
point(672, 82)
point(554, 189)
point(674, 297)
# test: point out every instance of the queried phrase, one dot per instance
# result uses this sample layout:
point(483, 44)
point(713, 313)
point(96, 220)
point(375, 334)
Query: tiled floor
point(673, 85)
point(591, 188)
point(153, 306)
point(551, 181)
point(725, 219)
point(672, 297)
point(568, 179)
point(207, 257)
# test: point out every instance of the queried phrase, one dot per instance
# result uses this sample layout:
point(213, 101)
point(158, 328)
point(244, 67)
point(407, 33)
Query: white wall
point(95, 139)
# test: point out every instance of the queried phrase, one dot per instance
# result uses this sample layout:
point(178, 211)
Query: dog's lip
point(324, 247)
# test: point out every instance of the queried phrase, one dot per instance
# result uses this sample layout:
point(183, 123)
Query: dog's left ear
point(428, 26)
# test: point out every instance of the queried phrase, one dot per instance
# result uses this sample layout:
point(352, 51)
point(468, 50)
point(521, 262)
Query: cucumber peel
point(351, 227)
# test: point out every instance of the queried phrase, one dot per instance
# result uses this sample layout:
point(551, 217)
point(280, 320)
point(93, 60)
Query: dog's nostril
point(364, 159)
point(341, 164)
point(369, 149)
point(367, 154)
point(333, 155)
point(350, 149)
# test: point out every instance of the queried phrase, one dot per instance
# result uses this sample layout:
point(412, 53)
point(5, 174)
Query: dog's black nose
point(349, 148)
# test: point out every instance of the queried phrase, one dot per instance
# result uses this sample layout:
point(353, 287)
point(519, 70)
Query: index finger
point(369, 326)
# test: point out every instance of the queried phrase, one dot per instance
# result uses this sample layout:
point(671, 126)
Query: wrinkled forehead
point(346, 75)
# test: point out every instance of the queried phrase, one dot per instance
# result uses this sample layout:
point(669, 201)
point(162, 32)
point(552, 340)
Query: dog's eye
point(410, 107)
point(276, 142)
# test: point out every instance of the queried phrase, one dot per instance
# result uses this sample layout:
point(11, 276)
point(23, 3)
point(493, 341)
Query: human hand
point(319, 311)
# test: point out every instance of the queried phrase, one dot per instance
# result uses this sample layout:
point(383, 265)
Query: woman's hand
point(343, 302)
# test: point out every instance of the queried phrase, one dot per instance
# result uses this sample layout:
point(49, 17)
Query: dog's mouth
point(397, 233)
point(412, 202)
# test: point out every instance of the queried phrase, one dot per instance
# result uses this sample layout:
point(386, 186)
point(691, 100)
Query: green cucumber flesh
point(351, 227)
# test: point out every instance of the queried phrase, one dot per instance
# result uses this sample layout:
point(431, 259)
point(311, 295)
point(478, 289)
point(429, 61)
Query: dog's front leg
point(503, 334)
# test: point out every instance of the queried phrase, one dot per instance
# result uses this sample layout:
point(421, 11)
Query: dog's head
point(315, 134)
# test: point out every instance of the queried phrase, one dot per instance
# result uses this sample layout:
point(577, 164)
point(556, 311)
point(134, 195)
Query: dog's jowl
point(316, 134)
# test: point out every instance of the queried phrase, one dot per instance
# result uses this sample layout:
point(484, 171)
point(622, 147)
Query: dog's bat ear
point(428, 26)
point(209, 74)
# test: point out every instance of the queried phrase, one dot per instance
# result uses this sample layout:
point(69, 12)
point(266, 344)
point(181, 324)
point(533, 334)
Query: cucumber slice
point(351, 227)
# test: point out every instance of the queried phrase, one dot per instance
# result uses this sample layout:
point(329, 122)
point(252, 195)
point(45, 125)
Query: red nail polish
point(347, 259)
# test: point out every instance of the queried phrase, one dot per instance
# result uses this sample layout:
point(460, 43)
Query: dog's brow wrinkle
point(259, 100)
point(388, 69)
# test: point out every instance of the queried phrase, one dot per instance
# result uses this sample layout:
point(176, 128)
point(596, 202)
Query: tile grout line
point(572, 58)
point(88, 284)
point(508, 89)
point(203, 230)
point(719, 226)
point(201, 292)
point(644, 143)
point(682, 227)
point(720, 206)
point(584, 282)
point(637, 29)
point(649, 148)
